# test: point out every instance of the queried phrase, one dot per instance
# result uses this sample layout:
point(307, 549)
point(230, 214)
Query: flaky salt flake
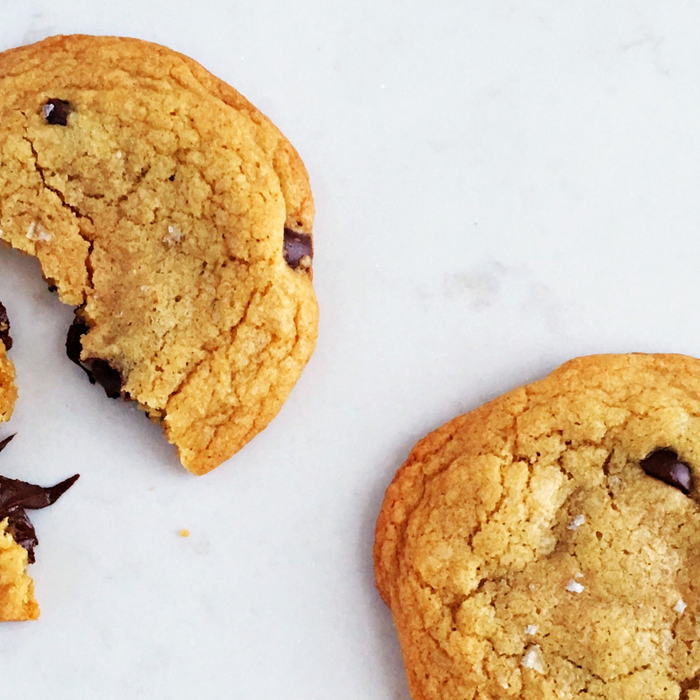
point(531, 629)
point(174, 235)
point(574, 586)
point(36, 232)
point(533, 659)
point(144, 287)
point(680, 606)
point(576, 523)
point(119, 155)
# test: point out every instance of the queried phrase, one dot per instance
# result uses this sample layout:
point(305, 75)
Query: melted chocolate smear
point(664, 464)
point(56, 112)
point(5, 442)
point(298, 249)
point(16, 497)
point(98, 371)
point(5, 327)
point(23, 532)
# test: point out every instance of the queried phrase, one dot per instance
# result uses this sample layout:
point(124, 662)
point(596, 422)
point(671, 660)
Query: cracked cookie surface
point(544, 546)
point(158, 201)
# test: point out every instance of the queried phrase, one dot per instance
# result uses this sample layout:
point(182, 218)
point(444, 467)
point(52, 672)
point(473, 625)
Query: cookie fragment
point(8, 390)
point(524, 553)
point(167, 208)
point(5, 337)
point(18, 540)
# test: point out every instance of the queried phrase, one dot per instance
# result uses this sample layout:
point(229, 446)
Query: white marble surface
point(500, 186)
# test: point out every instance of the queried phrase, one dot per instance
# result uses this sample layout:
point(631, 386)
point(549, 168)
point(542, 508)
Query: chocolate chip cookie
point(547, 544)
point(176, 217)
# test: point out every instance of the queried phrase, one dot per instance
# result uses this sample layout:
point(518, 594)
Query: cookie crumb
point(574, 586)
point(576, 523)
point(680, 606)
point(533, 659)
point(184, 533)
point(531, 629)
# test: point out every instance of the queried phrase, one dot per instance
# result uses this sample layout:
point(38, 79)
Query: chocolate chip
point(98, 371)
point(664, 464)
point(56, 112)
point(298, 249)
point(5, 337)
point(74, 345)
point(16, 497)
point(107, 377)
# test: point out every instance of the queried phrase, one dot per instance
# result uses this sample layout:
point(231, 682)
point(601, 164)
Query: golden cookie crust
point(160, 210)
point(525, 553)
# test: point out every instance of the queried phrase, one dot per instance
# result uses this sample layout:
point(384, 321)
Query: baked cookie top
point(176, 217)
point(547, 544)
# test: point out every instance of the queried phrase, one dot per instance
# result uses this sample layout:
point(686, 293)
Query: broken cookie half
point(17, 536)
point(176, 217)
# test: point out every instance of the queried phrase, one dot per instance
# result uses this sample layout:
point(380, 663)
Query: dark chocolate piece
point(107, 377)
point(16, 497)
point(6, 441)
point(74, 345)
point(56, 112)
point(5, 328)
point(298, 249)
point(98, 371)
point(664, 464)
